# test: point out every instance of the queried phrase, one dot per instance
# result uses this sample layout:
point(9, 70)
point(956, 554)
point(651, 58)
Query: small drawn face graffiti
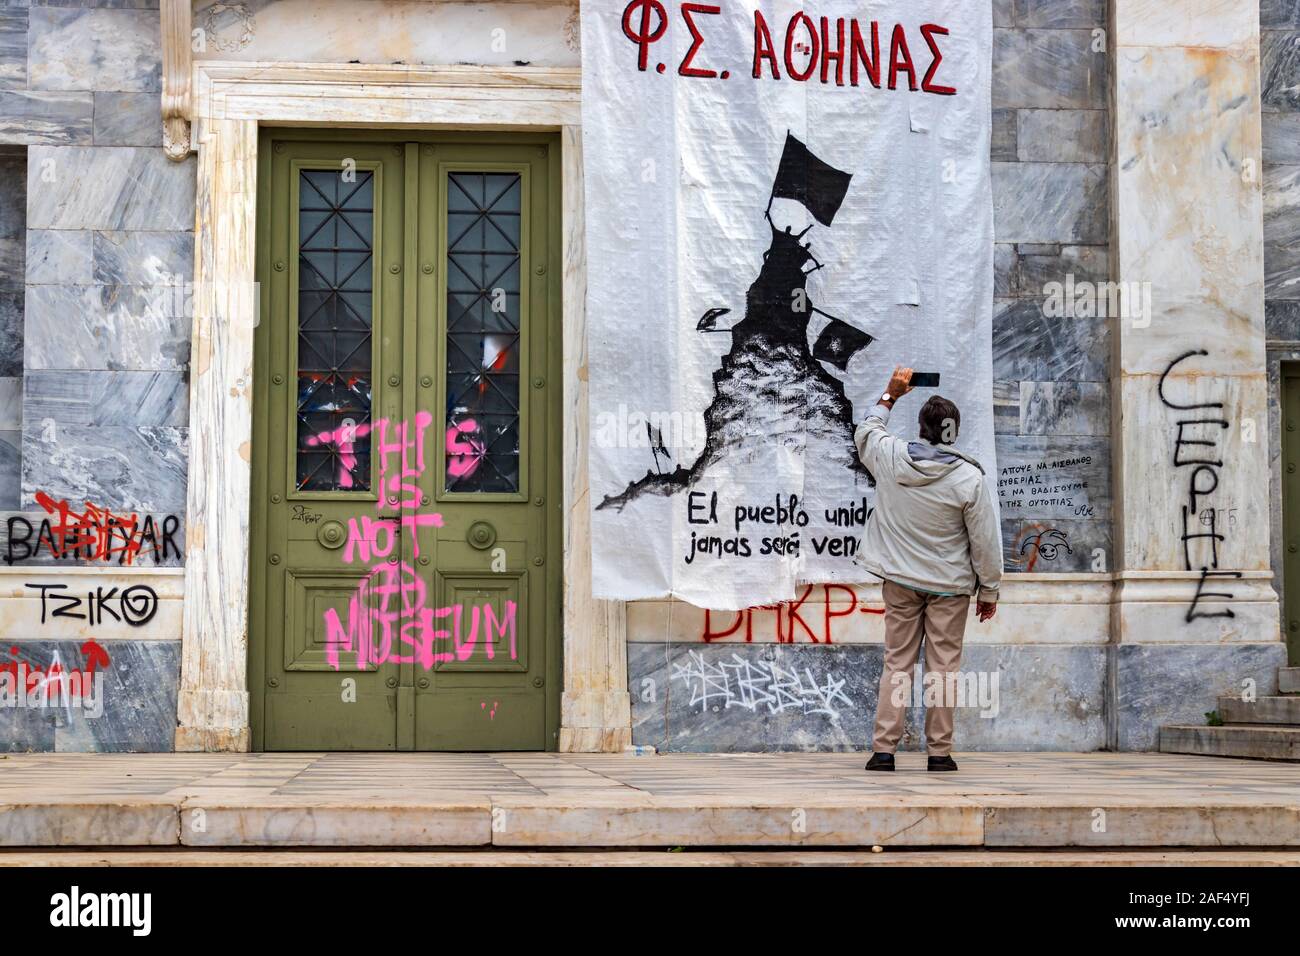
point(1047, 544)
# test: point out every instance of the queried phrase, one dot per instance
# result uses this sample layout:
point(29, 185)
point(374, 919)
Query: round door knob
point(391, 682)
point(274, 682)
point(481, 535)
point(538, 681)
point(275, 559)
point(331, 535)
point(394, 381)
point(427, 381)
point(424, 559)
point(424, 683)
point(278, 379)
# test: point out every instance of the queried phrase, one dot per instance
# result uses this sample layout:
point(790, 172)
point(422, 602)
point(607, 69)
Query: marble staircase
point(1266, 728)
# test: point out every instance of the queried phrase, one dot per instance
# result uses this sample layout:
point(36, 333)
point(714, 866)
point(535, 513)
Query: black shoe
point(941, 763)
point(881, 761)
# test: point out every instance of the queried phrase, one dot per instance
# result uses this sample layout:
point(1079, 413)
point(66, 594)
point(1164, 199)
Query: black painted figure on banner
point(770, 382)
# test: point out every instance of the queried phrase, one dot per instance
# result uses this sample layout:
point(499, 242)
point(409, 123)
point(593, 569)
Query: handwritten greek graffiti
point(1198, 449)
point(793, 623)
point(136, 605)
point(753, 684)
point(1046, 543)
point(96, 534)
point(811, 53)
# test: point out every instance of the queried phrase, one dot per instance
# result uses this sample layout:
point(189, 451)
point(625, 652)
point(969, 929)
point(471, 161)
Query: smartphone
point(925, 379)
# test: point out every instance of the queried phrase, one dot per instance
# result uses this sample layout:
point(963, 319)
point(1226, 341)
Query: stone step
point(1262, 710)
point(1288, 680)
point(1259, 741)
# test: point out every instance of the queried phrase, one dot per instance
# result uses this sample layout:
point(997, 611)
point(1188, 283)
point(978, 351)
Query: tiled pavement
point(1094, 800)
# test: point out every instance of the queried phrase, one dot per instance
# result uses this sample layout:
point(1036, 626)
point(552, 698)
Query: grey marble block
point(1064, 408)
point(757, 697)
point(143, 258)
point(105, 327)
point(1281, 132)
point(1061, 14)
point(1282, 320)
point(1063, 136)
point(94, 49)
point(1279, 14)
point(1049, 69)
point(1055, 546)
point(13, 49)
point(20, 546)
point(11, 330)
point(1004, 13)
point(45, 117)
point(1051, 202)
point(106, 398)
point(131, 468)
point(1159, 684)
point(139, 690)
point(1046, 697)
point(1036, 271)
point(109, 188)
point(10, 468)
point(752, 697)
point(1279, 70)
point(127, 119)
point(1282, 232)
point(59, 257)
point(1003, 147)
point(1006, 407)
point(11, 404)
point(1053, 477)
point(1030, 346)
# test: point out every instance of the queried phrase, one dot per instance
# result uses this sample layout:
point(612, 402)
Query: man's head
point(940, 421)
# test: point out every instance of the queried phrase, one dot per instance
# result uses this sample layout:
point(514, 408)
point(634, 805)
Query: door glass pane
point(483, 232)
point(336, 214)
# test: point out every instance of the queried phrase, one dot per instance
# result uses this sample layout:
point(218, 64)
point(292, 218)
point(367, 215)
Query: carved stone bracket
point(177, 65)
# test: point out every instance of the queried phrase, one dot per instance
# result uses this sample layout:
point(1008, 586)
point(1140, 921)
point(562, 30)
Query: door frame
point(229, 103)
point(1289, 387)
point(264, 411)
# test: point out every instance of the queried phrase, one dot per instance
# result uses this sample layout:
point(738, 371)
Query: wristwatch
point(886, 398)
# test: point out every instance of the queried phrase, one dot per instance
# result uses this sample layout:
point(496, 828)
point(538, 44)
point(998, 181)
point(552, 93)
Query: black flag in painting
point(839, 342)
point(805, 178)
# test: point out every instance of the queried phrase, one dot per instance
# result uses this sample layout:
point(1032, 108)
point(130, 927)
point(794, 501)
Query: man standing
point(933, 537)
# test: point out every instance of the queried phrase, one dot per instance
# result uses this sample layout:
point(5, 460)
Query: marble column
point(1195, 612)
point(213, 701)
point(596, 712)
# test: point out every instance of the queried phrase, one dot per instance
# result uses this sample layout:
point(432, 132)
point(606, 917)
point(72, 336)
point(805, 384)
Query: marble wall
point(1051, 147)
point(96, 249)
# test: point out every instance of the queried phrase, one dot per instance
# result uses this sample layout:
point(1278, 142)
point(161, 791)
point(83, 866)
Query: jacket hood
point(927, 463)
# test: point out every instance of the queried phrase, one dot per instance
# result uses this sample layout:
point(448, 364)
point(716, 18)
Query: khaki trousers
point(909, 616)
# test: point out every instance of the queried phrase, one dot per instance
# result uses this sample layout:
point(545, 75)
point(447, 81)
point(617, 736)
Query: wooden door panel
point(404, 555)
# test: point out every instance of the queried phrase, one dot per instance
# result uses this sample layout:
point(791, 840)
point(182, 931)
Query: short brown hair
point(935, 418)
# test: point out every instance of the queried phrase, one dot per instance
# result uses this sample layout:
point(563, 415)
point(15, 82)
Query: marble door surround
point(215, 109)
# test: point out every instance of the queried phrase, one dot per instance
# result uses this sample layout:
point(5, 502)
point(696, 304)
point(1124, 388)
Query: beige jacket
point(934, 527)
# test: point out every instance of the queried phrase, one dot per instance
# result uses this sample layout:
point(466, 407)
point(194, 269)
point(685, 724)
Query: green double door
point(405, 540)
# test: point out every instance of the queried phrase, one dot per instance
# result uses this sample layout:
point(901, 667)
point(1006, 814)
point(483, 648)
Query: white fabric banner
point(783, 201)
